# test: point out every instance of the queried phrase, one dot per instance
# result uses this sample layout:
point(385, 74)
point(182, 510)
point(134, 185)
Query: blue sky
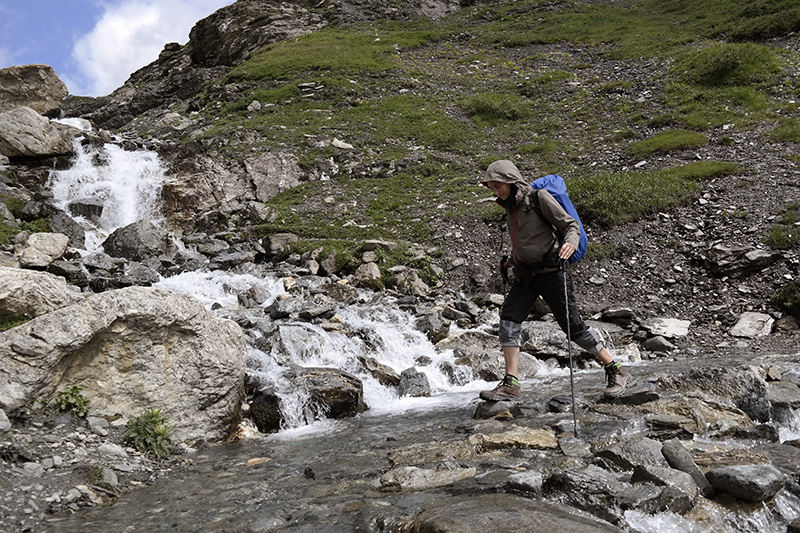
point(94, 45)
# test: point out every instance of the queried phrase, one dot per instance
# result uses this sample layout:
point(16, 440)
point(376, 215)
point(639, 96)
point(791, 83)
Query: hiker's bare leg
point(604, 356)
point(511, 357)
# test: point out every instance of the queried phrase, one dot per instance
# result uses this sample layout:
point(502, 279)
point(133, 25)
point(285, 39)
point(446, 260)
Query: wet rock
point(592, 489)
point(434, 326)
point(497, 410)
point(138, 241)
point(87, 207)
point(505, 512)
point(516, 437)
point(340, 394)
point(635, 451)
point(668, 477)
point(265, 411)
point(414, 478)
point(756, 483)
point(783, 394)
point(679, 458)
point(414, 383)
point(62, 223)
point(383, 373)
point(743, 386)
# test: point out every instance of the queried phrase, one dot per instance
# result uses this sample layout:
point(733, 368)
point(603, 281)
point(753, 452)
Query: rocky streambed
point(700, 447)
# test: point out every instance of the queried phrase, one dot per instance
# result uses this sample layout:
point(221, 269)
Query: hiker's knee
point(510, 333)
point(590, 340)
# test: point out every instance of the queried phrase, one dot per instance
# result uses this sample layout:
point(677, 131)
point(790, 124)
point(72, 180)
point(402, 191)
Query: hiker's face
point(500, 189)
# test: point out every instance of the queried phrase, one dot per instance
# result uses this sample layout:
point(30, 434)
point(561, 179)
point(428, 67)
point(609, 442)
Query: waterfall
point(127, 184)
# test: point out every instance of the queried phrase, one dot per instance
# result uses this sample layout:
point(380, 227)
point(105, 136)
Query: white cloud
point(130, 35)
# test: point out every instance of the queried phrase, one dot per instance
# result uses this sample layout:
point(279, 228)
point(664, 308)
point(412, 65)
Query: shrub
point(788, 298)
point(149, 433)
point(667, 141)
point(725, 64)
point(72, 399)
point(492, 108)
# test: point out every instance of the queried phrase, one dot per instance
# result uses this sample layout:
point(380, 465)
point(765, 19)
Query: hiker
point(536, 258)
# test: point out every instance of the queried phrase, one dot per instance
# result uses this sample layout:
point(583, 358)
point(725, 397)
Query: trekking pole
point(564, 268)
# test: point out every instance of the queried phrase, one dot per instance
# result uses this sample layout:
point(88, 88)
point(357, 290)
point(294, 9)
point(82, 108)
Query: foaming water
point(220, 287)
point(712, 516)
point(127, 184)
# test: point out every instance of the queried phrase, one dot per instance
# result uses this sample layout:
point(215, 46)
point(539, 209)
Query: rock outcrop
point(130, 350)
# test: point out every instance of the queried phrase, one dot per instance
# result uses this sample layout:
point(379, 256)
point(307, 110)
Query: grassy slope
point(429, 104)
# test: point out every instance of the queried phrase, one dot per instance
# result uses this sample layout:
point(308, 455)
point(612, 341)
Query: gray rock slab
point(506, 512)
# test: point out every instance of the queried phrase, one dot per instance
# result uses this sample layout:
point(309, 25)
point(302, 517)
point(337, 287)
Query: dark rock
point(755, 483)
point(414, 383)
point(679, 458)
point(138, 241)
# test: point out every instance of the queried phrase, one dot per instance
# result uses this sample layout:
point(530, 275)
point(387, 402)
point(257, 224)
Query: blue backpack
point(555, 185)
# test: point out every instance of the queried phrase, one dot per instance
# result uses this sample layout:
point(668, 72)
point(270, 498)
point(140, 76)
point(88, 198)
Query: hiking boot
point(508, 389)
point(617, 380)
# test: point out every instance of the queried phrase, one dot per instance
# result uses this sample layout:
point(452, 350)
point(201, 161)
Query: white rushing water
point(128, 184)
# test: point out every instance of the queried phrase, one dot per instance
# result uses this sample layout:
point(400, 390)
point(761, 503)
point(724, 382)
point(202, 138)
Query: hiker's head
point(500, 189)
point(502, 178)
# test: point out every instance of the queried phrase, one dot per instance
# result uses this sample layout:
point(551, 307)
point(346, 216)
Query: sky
point(95, 45)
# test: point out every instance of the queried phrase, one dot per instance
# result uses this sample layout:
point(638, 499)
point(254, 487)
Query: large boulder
point(35, 86)
point(130, 350)
point(26, 133)
point(28, 293)
point(139, 241)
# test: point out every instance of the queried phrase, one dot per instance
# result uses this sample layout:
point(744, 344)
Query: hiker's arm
point(560, 219)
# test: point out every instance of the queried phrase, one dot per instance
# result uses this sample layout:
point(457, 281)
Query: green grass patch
point(667, 141)
point(491, 108)
point(403, 207)
point(612, 199)
point(785, 234)
point(787, 130)
point(330, 50)
point(727, 65)
point(736, 20)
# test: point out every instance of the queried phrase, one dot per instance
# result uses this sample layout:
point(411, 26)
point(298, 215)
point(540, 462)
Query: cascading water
point(126, 183)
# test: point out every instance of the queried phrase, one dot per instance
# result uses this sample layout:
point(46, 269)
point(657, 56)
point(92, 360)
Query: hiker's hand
point(566, 251)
